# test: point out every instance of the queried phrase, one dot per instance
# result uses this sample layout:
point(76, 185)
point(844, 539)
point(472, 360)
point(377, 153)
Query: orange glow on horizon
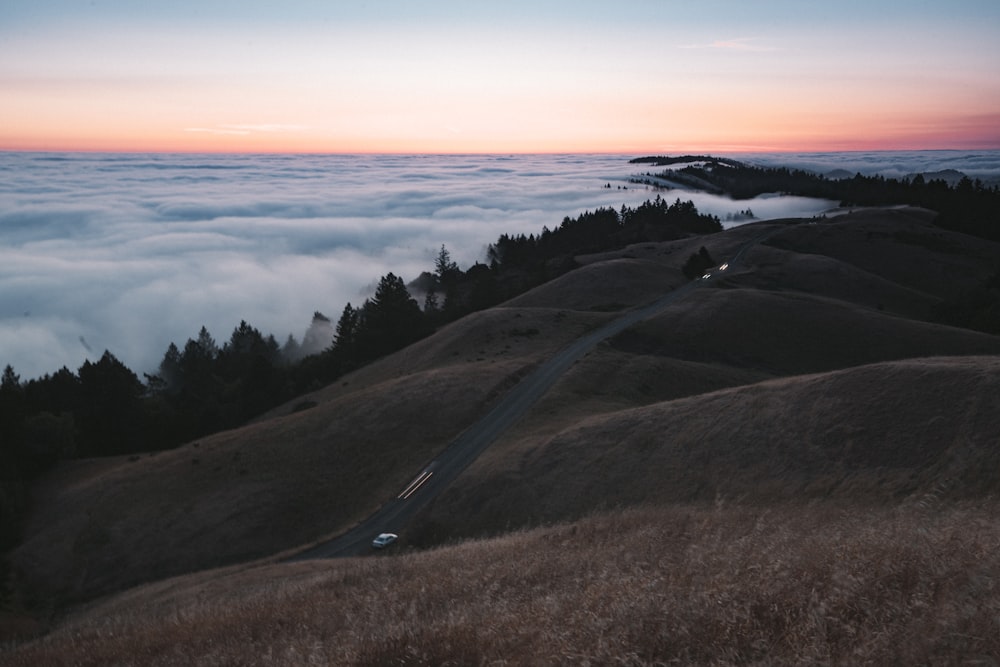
point(547, 114)
point(755, 142)
point(647, 125)
point(646, 129)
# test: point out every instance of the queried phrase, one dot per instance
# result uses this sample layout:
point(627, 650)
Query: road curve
point(443, 470)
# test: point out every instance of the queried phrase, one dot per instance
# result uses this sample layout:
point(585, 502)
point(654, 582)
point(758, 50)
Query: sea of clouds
point(129, 253)
point(982, 165)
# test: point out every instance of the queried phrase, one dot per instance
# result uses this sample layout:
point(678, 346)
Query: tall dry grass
point(779, 585)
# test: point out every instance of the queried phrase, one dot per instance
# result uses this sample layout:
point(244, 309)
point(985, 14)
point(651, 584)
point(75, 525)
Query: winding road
point(443, 470)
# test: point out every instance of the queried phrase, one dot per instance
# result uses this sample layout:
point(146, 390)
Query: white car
point(384, 540)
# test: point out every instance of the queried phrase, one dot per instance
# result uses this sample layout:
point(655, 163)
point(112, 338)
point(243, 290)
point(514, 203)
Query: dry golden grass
point(789, 333)
point(707, 400)
point(281, 482)
point(507, 333)
point(244, 493)
point(878, 433)
point(776, 585)
point(610, 285)
point(819, 275)
point(901, 246)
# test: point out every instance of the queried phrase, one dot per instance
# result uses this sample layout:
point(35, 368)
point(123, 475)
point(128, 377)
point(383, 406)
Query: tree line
point(970, 206)
point(105, 409)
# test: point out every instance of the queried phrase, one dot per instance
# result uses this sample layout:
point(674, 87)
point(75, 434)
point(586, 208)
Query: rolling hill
point(811, 380)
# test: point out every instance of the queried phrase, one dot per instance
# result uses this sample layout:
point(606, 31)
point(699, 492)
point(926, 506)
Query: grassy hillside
point(727, 585)
point(808, 387)
point(278, 483)
point(876, 434)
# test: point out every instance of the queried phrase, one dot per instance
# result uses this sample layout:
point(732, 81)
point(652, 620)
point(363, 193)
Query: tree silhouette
point(347, 331)
point(12, 407)
point(110, 420)
point(171, 371)
point(448, 274)
point(697, 263)
point(390, 320)
point(444, 267)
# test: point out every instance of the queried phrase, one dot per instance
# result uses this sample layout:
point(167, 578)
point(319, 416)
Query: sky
point(465, 76)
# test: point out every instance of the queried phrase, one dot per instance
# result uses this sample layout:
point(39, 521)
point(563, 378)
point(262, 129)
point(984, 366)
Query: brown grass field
point(794, 466)
point(793, 584)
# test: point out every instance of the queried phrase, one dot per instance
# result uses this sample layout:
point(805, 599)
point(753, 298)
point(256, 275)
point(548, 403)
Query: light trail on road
point(415, 484)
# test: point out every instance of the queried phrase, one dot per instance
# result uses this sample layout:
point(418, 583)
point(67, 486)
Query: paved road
point(443, 470)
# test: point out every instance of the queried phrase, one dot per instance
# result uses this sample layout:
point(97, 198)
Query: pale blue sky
point(725, 14)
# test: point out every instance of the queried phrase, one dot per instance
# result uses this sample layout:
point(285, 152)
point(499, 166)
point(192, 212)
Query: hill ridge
point(326, 460)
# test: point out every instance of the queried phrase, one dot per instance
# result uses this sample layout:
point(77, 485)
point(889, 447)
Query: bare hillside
point(723, 584)
point(902, 246)
point(879, 433)
point(284, 481)
point(705, 399)
point(791, 332)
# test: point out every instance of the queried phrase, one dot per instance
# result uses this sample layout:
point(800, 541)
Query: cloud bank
point(984, 165)
point(132, 252)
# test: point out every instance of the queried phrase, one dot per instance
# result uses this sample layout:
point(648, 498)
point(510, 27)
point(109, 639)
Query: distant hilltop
point(950, 176)
point(664, 161)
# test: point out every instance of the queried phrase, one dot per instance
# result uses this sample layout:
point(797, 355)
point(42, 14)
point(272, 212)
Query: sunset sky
point(514, 76)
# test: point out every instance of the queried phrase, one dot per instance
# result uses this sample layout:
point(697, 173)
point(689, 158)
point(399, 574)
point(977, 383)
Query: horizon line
point(664, 152)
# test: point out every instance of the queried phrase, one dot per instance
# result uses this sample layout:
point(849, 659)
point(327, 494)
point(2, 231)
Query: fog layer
point(131, 252)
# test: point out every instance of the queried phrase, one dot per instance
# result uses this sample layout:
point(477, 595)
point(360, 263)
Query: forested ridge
point(203, 386)
point(970, 207)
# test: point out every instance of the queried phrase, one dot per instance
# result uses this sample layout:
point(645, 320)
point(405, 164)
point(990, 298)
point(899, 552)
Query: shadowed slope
point(319, 464)
point(874, 433)
point(785, 333)
point(901, 246)
point(285, 480)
